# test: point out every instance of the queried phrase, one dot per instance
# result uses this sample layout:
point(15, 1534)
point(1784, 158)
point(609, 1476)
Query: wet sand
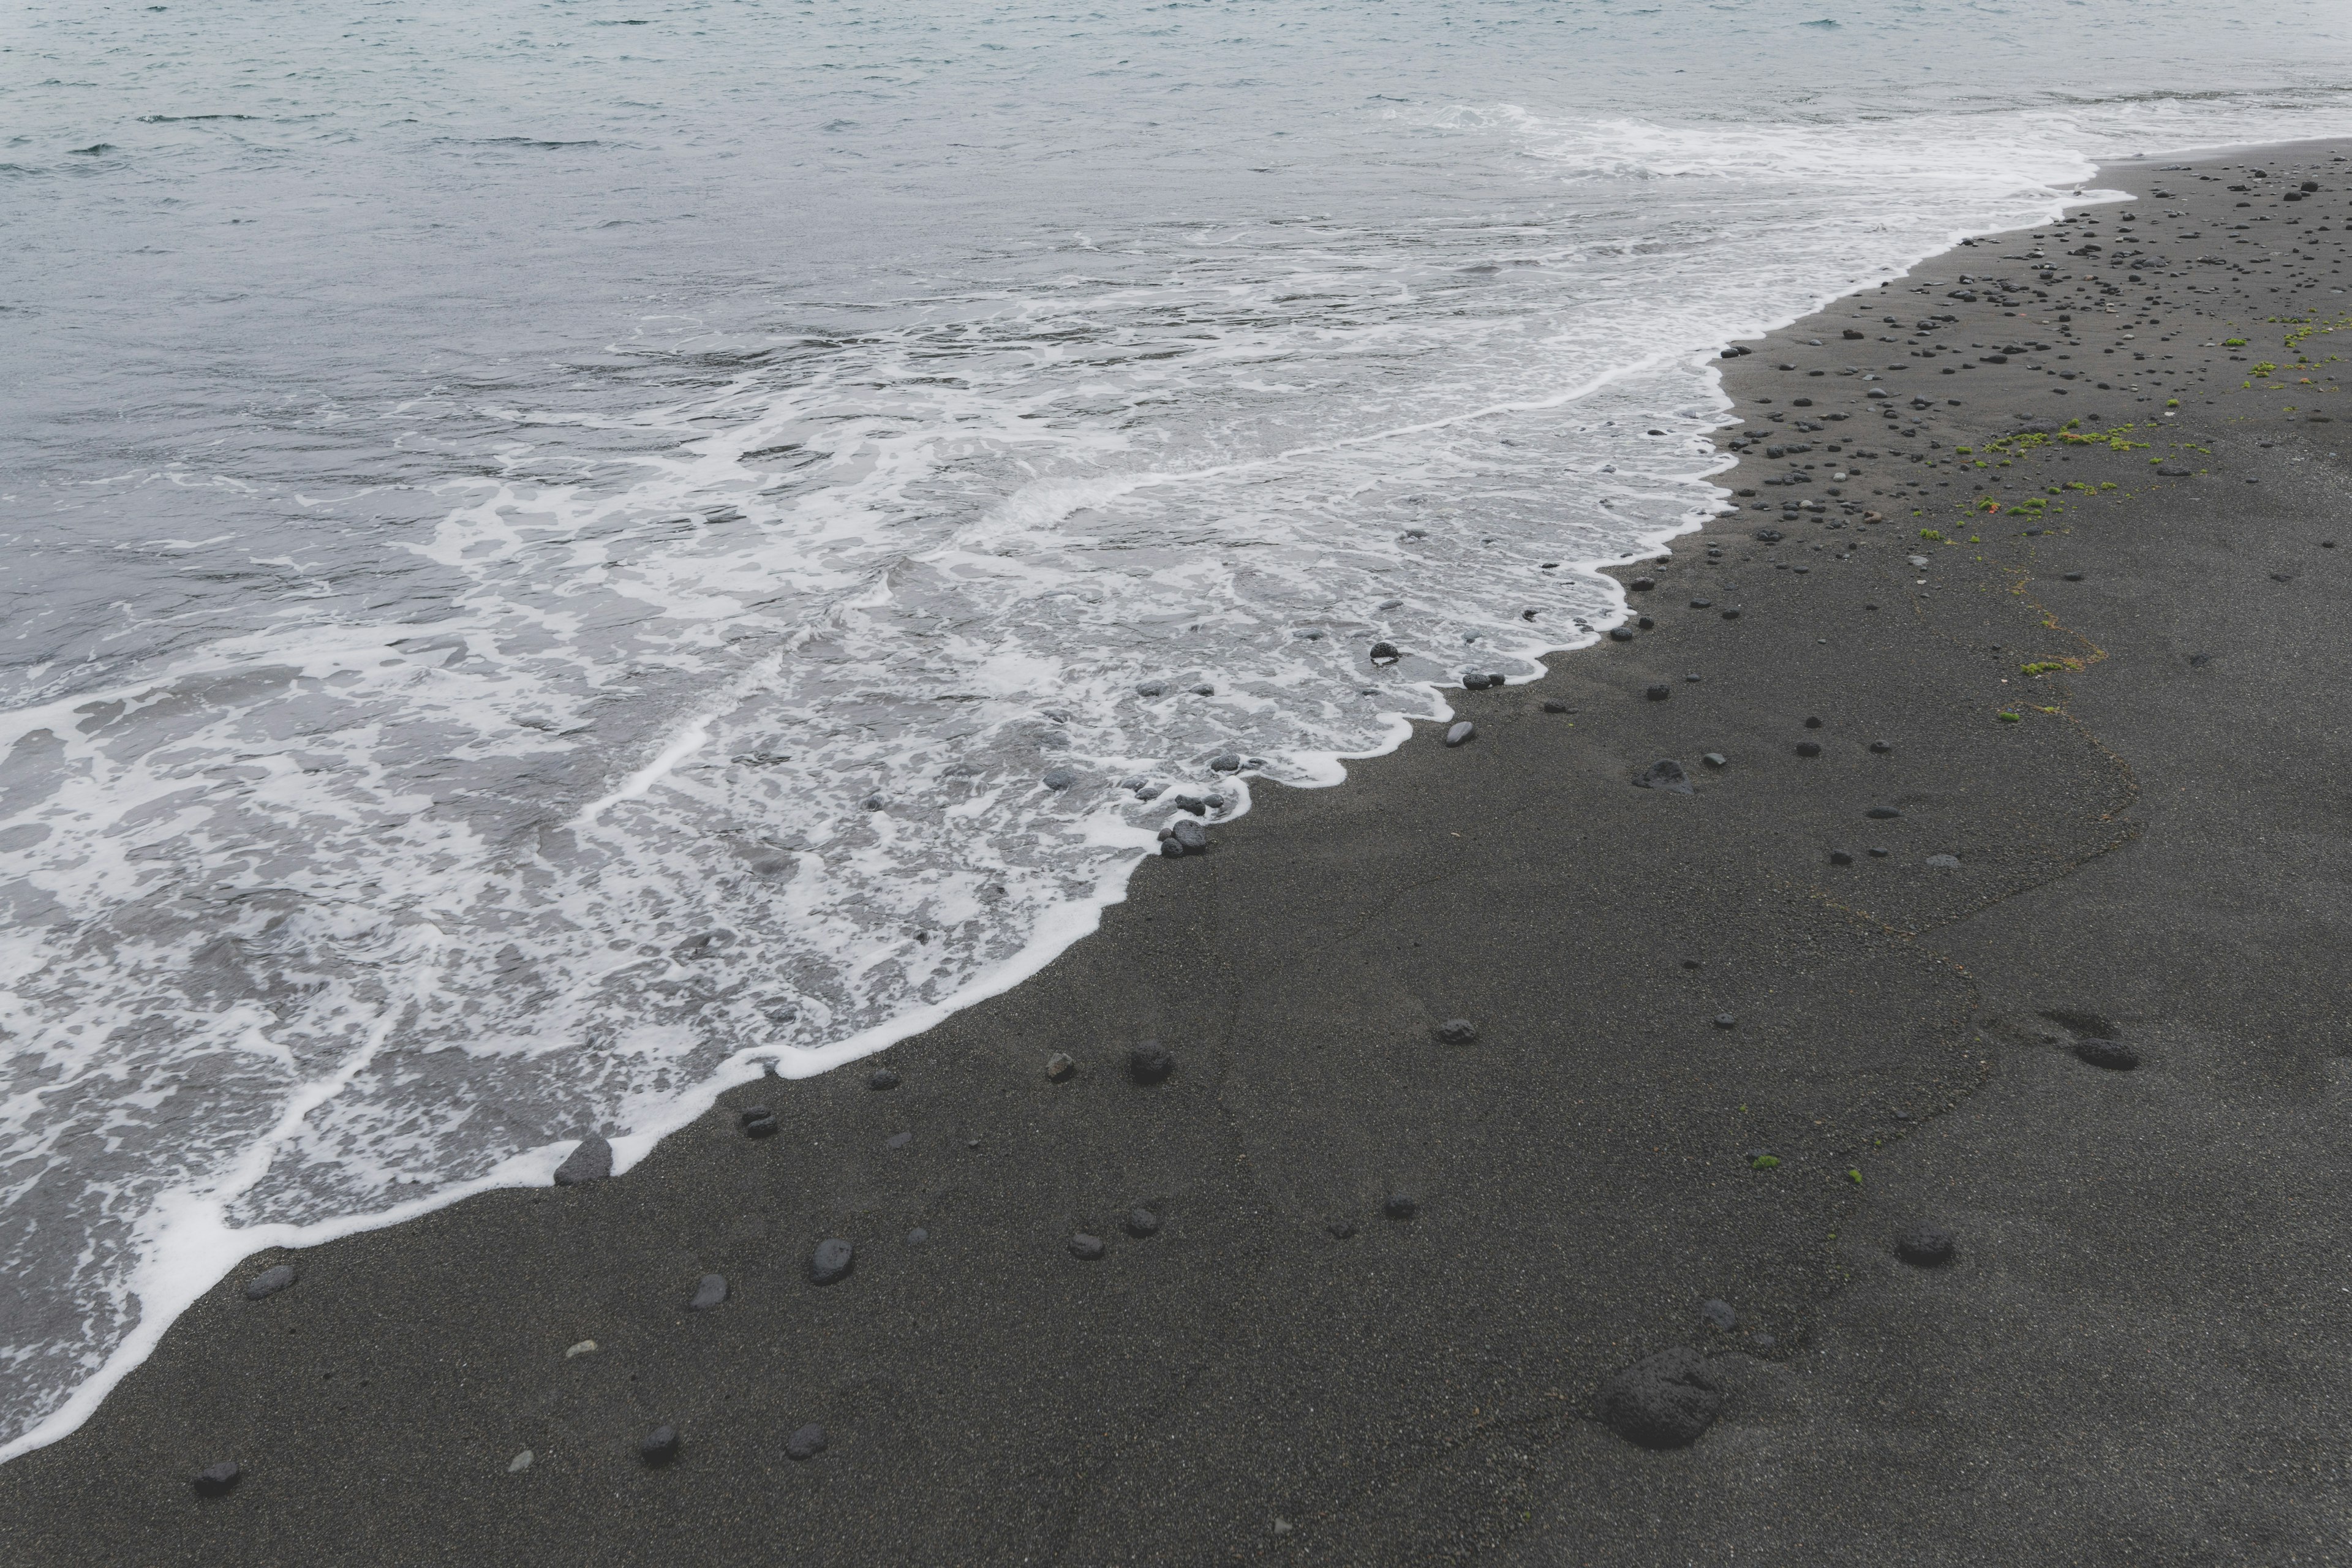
point(1386, 1275)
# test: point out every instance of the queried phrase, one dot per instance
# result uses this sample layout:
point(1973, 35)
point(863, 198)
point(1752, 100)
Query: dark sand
point(2140, 1353)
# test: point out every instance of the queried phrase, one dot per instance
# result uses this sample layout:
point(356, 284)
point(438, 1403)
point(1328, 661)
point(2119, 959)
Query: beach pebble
point(1665, 775)
point(1059, 1067)
point(1228, 763)
point(1340, 1229)
point(1880, 852)
point(269, 1282)
point(882, 1078)
point(658, 1446)
point(1719, 1315)
point(1060, 778)
point(1384, 653)
point(2112, 1055)
point(1809, 748)
point(215, 1480)
point(917, 1237)
point(1205, 692)
point(1702, 604)
point(1458, 1031)
point(1150, 1062)
point(591, 1161)
point(1881, 747)
point(1194, 804)
point(805, 1444)
point(1620, 634)
point(709, 1293)
point(1732, 614)
point(1663, 1401)
point(1141, 1222)
point(520, 1462)
point(1658, 693)
point(1400, 1206)
point(832, 1261)
point(1945, 862)
point(1461, 733)
point(1085, 1248)
point(1715, 760)
point(760, 1127)
point(1923, 1246)
point(1642, 585)
point(1169, 848)
point(1189, 836)
point(585, 1347)
point(1554, 705)
point(1812, 723)
point(1726, 1021)
point(1840, 857)
point(1882, 813)
point(1152, 688)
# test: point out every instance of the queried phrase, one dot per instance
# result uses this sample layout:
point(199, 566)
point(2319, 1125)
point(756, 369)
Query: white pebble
point(585, 1347)
point(519, 1462)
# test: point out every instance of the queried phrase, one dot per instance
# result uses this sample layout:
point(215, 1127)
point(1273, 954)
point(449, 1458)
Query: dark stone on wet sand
point(1462, 733)
point(658, 1446)
point(1726, 1021)
point(709, 1293)
point(1150, 1062)
point(1663, 1401)
point(2112, 1055)
point(269, 1282)
point(1085, 1248)
point(1659, 693)
point(1620, 634)
point(1141, 1222)
point(1458, 1031)
point(832, 1261)
point(1809, 748)
point(1840, 857)
point(1554, 705)
point(1059, 1067)
point(1665, 775)
point(805, 1444)
point(882, 1078)
point(1400, 1206)
point(758, 1122)
point(1189, 836)
point(1882, 813)
point(215, 1480)
point(1924, 1246)
point(1230, 762)
point(592, 1161)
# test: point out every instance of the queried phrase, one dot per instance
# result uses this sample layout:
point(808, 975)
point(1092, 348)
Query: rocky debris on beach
point(1923, 1246)
point(269, 1282)
point(215, 1480)
point(710, 1292)
point(1400, 1205)
point(591, 1161)
point(1085, 1248)
point(756, 1121)
point(1150, 1062)
point(1141, 1222)
point(1458, 1031)
point(1060, 1067)
point(658, 1446)
point(1665, 775)
point(1719, 1315)
point(832, 1261)
point(882, 1078)
point(806, 1443)
point(1664, 1400)
point(1461, 733)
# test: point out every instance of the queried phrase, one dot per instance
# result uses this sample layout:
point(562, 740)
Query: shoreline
point(1012, 1164)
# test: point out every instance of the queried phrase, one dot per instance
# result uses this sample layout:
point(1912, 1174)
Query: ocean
point(566, 555)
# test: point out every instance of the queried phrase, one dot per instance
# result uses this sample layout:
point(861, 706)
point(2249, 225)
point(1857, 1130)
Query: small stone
point(1150, 1062)
point(1719, 1315)
point(2072, 576)
point(832, 1261)
point(1923, 1246)
point(658, 1446)
point(1060, 1068)
point(585, 1347)
point(1340, 1229)
point(1400, 1206)
point(1085, 1248)
point(1230, 762)
point(1663, 1401)
point(1189, 836)
point(1702, 604)
point(1152, 688)
point(1693, 963)
point(750, 1113)
point(1169, 848)
point(2112, 1055)
point(591, 1161)
point(917, 1237)
point(1880, 852)
point(269, 1282)
point(1460, 733)
point(1384, 653)
point(1732, 615)
point(1665, 775)
point(709, 1293)
point(215, 1480)
point(520, 1462)
point(1141, 1222)
point(1060, 778)
point(882, 1078)
point(1840, 857)
point(897, 1140)
point(805, 1444)
point(1715, 760)
point(1658, 693)
point(1205, 692)
point(1945, 862)
point(1882, 813)
point(1812, 723)
point(1620, 634)
point(1881, 747)
point(1726, 1021)
point(760, 1127)
point(1642, 585)
point(1809, 748)
point(1458, 1031)
point(1554, 705)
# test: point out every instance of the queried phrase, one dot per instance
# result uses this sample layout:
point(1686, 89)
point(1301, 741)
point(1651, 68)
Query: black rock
point(1384, 653)
point(1882, 813)
point(1726, 1021)
point(1060, 1067)
point(1702, 604)
point(1152, 688)
point(1732, 614)
point(658, 1446)
point(1194, 804)
point(1642, 585)
point(750, 1113)
point(1879, 852)
point(1189, 835)
point(1665, 775)
point(1809, 748)
point(1659, 693)
point(1400, 1206)
point(1340, 1229)
point(709, 1293)
point(1085, 1248)
point(215, 1480)
point(1620, 634)
point(760, 1127)
point(1812, 723)
point(592, 1161)
point(1169, 848)
point(1205, 692)
point(1462, 733)
point(832, 1261)
point(1923, 1246)
point(1150, 1062)
point(1141, 1222)
point(805, 1444)
point(1554, 705)
point(1840, 857)
point(269, 1282)
point(1715, 760)
point(1717, 1315)
point(1230, 762)
point(882, 1078)
point(1059, 778)
point(1663, 1401)
point(2112, 1055)
point(1458, 1031)
point(1769, 535)
point(1881, 747)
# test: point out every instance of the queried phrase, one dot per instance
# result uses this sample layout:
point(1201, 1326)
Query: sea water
point(559, 554)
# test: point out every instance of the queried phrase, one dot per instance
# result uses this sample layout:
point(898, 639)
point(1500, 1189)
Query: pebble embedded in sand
point(1227, 762)
point(1141, 1222)
point(1809, 748)
point(658, 1446)
point(1666, 775)
point(1400, 1206)
point(585, 1347)
point(1882, 813)
point(1620, 634)
point(1384, 653)
point(832, 1261)
point(1085, 1248)
point(269, 1282)
point(1189, 836)
point(1458, 1031)
point(1663, 1401)
point(2112, 1055)
point(1945, 862)
point(1840, 857)
point(591, 1161)
point(520, 1462)
point(1554, 705)
point(1726, 1021)
point(1881, 747)
point(1715, 760)
point(215, 1480)
point(1658, 693)
point(710, 1292)
point(882, 1078)
point(1340, 1229)
point(1924, 1246)
point(1719, 1315)
point(1059, 1067)
point(805, 1444)
point(1461, 733)
point(1150, 1062)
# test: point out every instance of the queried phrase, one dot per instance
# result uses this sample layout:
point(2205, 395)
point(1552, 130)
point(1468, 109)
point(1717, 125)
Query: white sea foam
point(718, 739)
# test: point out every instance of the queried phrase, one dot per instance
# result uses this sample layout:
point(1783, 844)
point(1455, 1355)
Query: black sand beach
point(2078, 788)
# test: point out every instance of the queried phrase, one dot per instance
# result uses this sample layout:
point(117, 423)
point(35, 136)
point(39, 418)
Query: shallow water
point(554, 547)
